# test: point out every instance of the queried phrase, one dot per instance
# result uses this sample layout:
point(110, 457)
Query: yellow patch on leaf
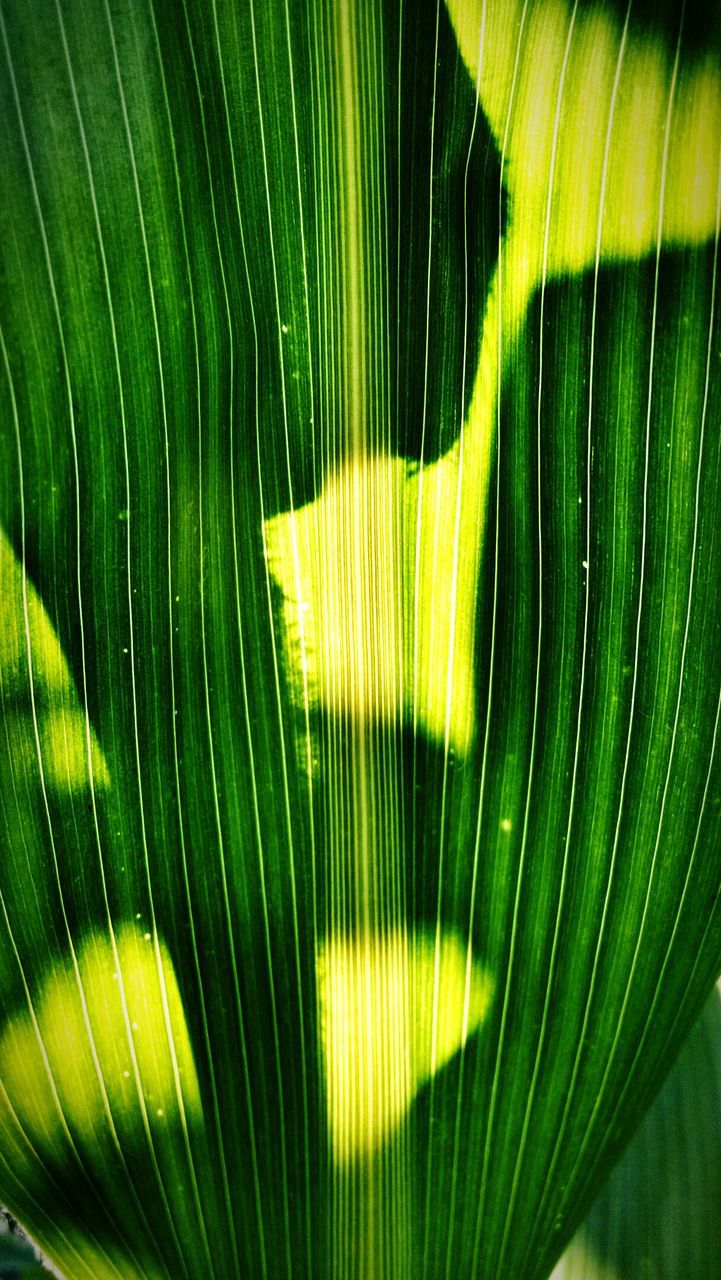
point(393, 1012)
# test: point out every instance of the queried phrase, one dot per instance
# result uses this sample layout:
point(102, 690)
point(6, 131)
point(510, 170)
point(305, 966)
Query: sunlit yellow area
point(379, 583)
point(47, 729)
point(394, 1010)
point(602, 136)
point(106, 1050)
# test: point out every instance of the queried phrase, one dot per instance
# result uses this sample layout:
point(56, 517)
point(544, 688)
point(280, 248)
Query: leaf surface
point(360, 667)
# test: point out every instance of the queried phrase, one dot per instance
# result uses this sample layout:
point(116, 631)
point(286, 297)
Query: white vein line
point(692, 984)
point(222, 861)
point(419, 517)
point(281, 730)
point(424, 417)
point(301, 616)
point(449, 679)
point(572, 802)
point(627, 758)
point(486, 742)
point(704, 411)
point(534, 733)
point(495, 285)
point(181, 819)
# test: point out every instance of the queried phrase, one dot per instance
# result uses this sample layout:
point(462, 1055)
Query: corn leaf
point(360, 646)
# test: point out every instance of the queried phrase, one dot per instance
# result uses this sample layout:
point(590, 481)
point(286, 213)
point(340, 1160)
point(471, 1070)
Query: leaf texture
point(360, 650)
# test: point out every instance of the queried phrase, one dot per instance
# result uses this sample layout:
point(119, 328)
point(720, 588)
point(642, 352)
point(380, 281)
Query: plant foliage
point(360, 646)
